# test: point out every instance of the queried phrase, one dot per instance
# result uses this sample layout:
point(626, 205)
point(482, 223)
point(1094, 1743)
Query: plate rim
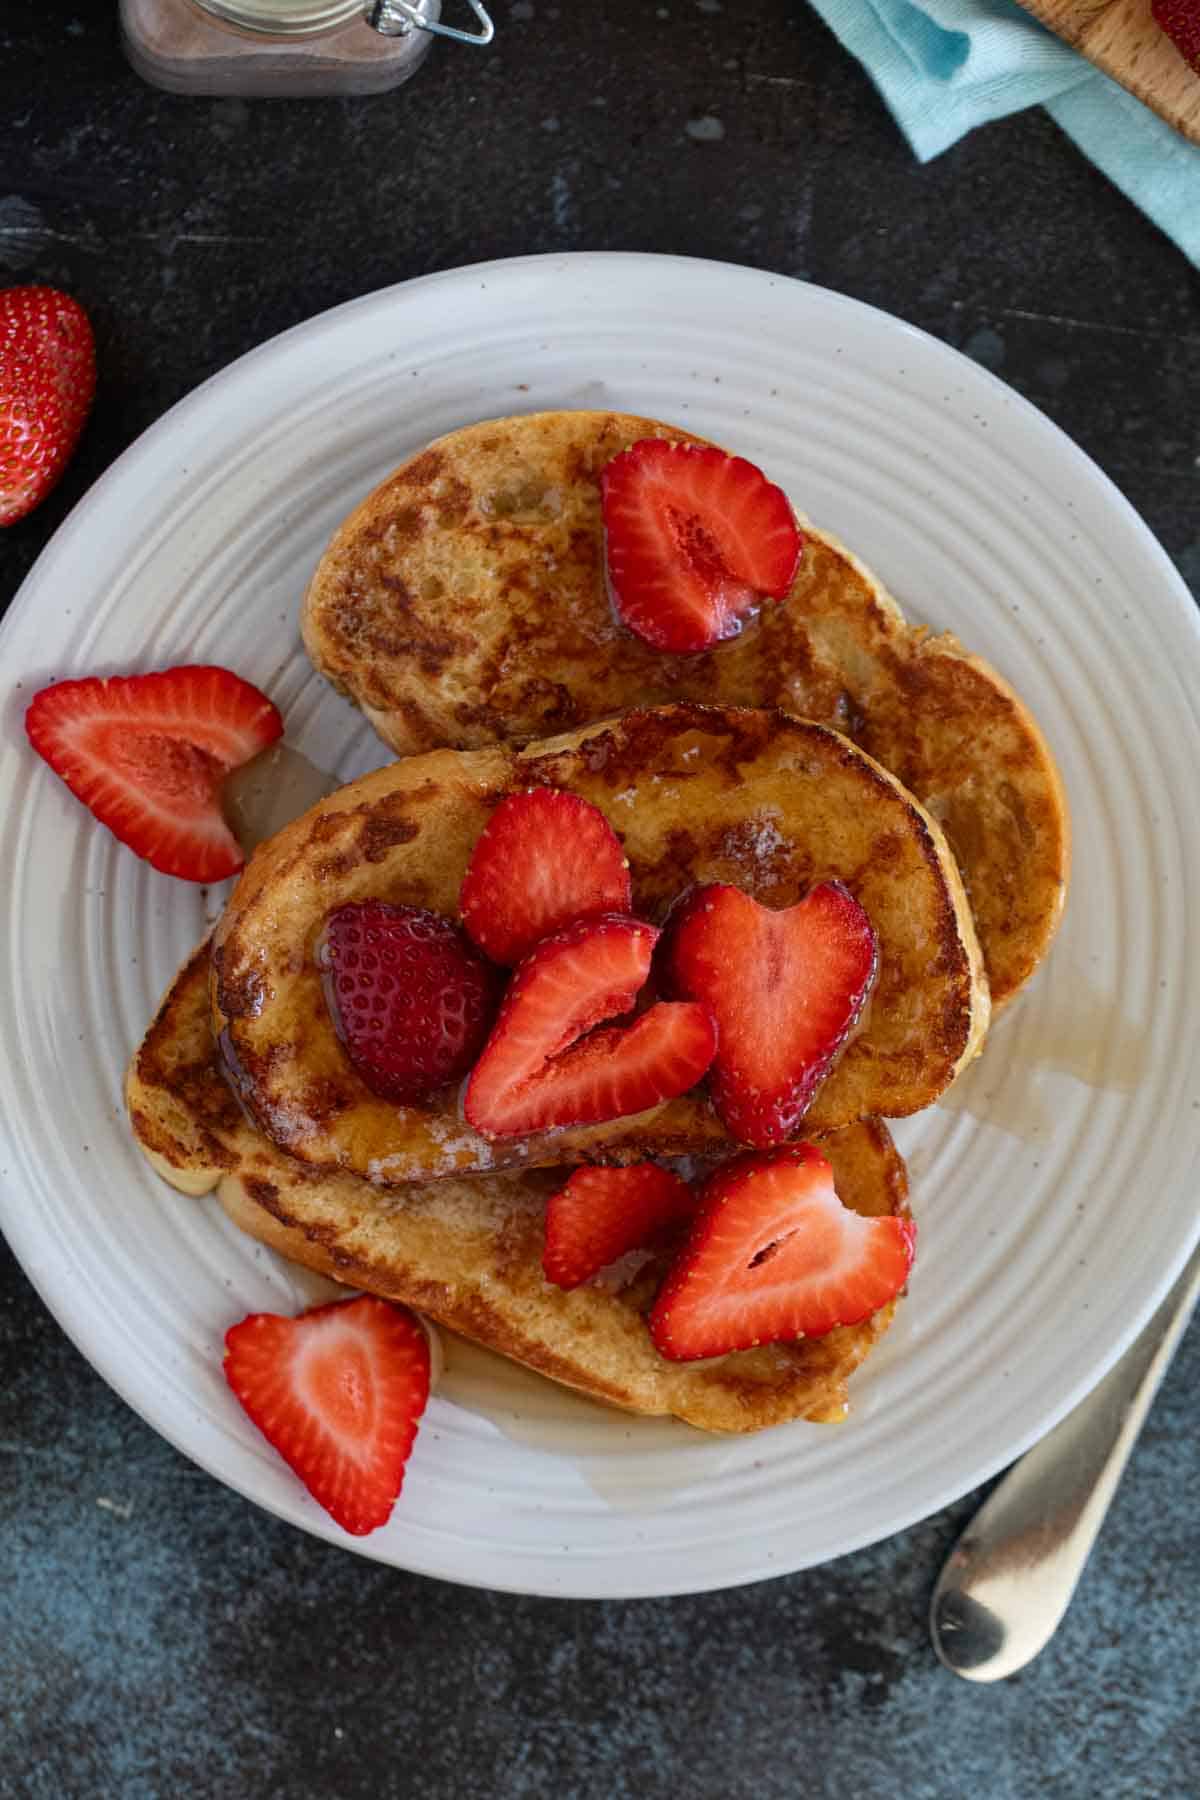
point(91, 505)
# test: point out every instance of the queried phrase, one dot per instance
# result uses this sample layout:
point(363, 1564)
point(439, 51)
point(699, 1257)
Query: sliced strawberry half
point(544, 1064)
point(338, 1392)
point(411, 999)
point(601, 1213)
point(694, 540)
point(147, 754)
point(773, 1256)
point(786, 989)
point(543, 860)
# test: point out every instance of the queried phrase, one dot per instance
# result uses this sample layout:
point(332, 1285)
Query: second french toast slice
point(769, 803)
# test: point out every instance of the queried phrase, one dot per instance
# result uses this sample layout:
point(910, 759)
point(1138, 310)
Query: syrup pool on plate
point(269, 792)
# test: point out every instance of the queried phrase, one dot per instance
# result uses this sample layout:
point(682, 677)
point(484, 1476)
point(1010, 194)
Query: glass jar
point(280, 47)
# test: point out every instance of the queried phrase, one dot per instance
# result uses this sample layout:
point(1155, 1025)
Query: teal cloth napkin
point(945, 66)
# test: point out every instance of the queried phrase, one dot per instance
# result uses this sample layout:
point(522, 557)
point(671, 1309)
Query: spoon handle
point(1009, 1579)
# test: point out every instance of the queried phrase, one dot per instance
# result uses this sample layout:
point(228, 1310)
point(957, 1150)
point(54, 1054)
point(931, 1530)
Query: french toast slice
point(467, 1251)
point(769, 803)
point(465, 601)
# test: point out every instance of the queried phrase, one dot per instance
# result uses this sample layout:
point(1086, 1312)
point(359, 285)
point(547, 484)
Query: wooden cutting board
point(1121, 38)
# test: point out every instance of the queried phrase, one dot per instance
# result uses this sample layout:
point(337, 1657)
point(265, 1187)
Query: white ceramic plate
point(1056, 1191)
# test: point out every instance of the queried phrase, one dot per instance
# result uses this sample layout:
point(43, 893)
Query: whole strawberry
point(47, 380)
point(1180, 19)
point(411, 998)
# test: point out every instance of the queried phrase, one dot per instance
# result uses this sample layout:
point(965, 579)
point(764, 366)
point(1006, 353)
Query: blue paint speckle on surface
point(985, 346)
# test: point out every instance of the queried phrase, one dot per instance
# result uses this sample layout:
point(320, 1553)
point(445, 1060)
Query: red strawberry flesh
point(338, 1392)
point(546, 1066)
point(47, 382)
point(410, 997)
point(773, 1256)
point(694, 540)
point(1180, 19)
point(544, 859)
point(786, 989)
point(147, 754)
point(603, 1212)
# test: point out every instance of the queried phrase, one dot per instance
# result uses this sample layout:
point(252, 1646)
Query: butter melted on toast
point(464, 602)
point(467, 1251)
point(696, 794)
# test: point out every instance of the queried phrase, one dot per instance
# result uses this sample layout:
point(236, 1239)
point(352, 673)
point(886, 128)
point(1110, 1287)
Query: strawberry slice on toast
point(544, 859)
point(786, 989)
point(338, 1392)
point(545, 1065)
point(694, 540)
point(773, 1255)
point(603, 1212)
point(147, 754)
point(411, 999)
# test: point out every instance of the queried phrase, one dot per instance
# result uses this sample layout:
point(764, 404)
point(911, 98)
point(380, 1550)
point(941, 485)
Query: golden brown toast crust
point(696, 794)
point(467, 1252)
point(464, 602)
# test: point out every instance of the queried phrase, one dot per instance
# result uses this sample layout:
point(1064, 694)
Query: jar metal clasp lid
point(396, 18)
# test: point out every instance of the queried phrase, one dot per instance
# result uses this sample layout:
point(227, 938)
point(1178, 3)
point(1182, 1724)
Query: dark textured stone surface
point(158, 1635)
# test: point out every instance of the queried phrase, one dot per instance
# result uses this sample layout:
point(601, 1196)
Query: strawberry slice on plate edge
point(338, 1392)
point(147, 755)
